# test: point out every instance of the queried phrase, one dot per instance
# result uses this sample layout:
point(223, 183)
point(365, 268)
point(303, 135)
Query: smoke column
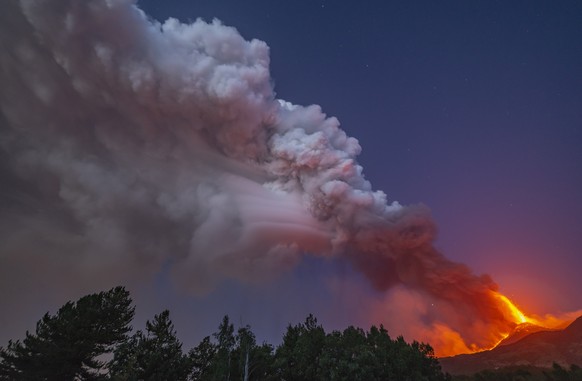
point(128, 145)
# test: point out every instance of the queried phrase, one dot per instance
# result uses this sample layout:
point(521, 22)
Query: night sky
point(473, 109)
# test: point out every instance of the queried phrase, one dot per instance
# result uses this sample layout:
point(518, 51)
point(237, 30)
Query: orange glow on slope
point(517, 316)
point(548, 321)
point(448, 342)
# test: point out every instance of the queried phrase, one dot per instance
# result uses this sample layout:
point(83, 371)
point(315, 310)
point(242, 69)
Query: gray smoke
point(129, 145)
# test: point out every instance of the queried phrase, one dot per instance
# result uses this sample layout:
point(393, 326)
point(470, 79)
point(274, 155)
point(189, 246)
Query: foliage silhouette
point(67, 346)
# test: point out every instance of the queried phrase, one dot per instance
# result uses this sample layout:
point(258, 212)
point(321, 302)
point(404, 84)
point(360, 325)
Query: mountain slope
point(540, 349)
point(522, 331)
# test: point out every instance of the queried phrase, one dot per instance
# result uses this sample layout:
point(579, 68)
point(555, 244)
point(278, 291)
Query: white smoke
point(165, 141)
point(128, 145)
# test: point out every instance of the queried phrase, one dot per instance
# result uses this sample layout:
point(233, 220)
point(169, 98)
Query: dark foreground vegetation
point(92, 339)
point(526, 373)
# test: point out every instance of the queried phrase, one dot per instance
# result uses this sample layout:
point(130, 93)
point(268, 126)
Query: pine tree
point(202, 358)
point(67, 346)
point(226, 340)
point(154, 355)
point(299, 355)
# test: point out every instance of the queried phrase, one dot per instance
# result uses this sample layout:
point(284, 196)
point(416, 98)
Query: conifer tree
point(69, 344)
point(153, 355)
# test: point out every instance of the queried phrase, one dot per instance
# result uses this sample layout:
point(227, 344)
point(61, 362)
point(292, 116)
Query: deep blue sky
point(472, 108)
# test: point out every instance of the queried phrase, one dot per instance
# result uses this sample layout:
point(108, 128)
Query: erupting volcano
point(525, 325)
point(131, 148)
point(528, 345)
point(514, 326)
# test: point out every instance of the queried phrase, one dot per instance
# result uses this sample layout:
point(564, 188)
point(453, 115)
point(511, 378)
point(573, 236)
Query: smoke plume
point(129, 145)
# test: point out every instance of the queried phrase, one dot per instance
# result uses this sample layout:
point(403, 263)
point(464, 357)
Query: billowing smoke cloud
point(128, 145)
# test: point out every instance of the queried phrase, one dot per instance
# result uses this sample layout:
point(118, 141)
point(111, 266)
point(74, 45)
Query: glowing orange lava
point(517, 316)
point(548, 321)
point(515, 323)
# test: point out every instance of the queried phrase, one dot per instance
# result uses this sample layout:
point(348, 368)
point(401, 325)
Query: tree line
point(526, 373)
point(92, 339)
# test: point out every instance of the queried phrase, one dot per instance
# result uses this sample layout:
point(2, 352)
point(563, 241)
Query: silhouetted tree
point(254, 361)
point(308, 353)
point(67, 346)
point(297, 358)
point(222, 364)
point(202, 358)
point(347, 355)
point(230, 356)
point(155, 355)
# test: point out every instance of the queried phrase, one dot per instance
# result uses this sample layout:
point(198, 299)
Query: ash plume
point(128, 145)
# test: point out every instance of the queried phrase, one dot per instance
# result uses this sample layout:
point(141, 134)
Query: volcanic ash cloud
point(128, 145)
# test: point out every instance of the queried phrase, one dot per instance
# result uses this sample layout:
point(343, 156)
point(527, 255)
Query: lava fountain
point(519, 325)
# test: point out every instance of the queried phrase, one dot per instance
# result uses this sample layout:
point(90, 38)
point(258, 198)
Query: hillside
point(541, 349)
point(522, 331)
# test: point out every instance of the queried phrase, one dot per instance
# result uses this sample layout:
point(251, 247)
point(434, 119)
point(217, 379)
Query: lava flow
point(514, 314)
point(515, 325)
point(530, 324)
point(513, 311)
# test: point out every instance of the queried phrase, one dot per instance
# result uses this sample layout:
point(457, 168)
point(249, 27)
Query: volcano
point(529, 344)
point(521, 331)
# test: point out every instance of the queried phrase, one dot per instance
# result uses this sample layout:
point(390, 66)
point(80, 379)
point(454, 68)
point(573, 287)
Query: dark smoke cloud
point(128, 145)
